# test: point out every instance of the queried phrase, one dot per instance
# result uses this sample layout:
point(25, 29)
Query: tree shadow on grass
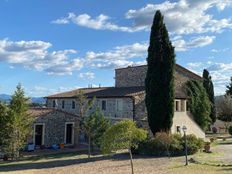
point(34, 163)
point(49, 164)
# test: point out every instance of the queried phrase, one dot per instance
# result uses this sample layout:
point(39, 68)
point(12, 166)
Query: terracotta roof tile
point(101, 92)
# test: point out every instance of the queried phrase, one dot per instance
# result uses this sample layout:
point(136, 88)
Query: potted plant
point(207, 147)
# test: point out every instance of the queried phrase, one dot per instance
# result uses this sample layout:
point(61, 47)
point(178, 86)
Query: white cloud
point(61, 21)
point(87, 75)
point(36, 56)
point(220, 50)
point(181, 17)
point(220, 72)
point(118, 57)
point(182, 45)
point(100, 22)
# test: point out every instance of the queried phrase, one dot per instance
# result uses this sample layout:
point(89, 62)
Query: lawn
point(179, 168)
point(78, 163)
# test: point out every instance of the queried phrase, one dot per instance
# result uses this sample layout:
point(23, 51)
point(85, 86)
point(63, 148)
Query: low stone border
point(191, 160)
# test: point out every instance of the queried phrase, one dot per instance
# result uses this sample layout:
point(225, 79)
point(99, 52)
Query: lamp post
point(184, 128)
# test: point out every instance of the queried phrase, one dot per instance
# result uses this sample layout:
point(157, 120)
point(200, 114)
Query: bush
point(176, 147)
point(165, 144)
point(230, 130)
point(193, 143)
point(214, 130)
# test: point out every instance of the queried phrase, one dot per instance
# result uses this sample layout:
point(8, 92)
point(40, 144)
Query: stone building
point(52, 126)
point(126, 99)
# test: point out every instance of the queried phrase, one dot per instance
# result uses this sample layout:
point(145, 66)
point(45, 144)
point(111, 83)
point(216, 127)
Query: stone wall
point(180, 118)
point(54, 123)
point(185, 118)
point(111, 109)
point(135, 76)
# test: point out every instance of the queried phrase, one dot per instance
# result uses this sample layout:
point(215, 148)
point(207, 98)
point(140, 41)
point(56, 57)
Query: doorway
point(39, 134)
point(69, 133)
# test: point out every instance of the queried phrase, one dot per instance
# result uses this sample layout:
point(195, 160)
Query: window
point(177, 105)
point(54, 103)
point(187, 105)
point(178, 129)
point(119, 104)
point(73, 104)
point(63, 103)
point(103, 105)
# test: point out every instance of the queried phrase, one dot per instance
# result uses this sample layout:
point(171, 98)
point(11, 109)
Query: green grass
point(178, 167)
point(43, 158)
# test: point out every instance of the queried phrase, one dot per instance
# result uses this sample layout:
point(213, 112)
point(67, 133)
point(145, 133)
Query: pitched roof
point(110, 92)
point(106, 92)
point(40, 112)
point(37, 112)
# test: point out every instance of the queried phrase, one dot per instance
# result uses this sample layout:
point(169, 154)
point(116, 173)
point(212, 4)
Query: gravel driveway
point(119, 164)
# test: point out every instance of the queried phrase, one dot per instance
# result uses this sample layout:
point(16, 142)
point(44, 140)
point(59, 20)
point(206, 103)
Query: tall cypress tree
point(159, 80)
point(229, 88)
point(208, 85)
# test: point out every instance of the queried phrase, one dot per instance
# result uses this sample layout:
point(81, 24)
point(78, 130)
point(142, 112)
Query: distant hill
point(38, 100)
point(5, 98)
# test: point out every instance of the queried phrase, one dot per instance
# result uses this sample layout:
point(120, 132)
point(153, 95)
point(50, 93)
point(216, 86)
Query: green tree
point(83, 103)
point(199, 103)
point(224, 109)
point(18, 126)
point(229, 88)
point(208, 85)
point(94, 127)
point(122, 135)
point(159, 80)
point(4, 120)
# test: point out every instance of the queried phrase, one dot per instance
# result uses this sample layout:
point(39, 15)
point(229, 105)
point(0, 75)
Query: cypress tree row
point(199, 103)
point(159, 80)
point(208, 85)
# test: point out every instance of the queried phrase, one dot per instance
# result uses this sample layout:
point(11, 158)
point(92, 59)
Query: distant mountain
point(38, 100)
point(5, 98)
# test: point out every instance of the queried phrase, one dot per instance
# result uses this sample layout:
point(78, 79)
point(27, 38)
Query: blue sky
point(54, 46)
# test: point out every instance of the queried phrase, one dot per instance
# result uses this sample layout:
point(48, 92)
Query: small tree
point(122, 135)
point(224, 108)
point(208, 85)
point(83, 103)
point(18, 125)
point(229, 88)
point(94, 127)
point(199, 103)
point(164, 139)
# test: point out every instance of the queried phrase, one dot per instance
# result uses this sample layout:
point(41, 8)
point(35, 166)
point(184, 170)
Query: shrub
point(193, 143)
point(230, 130)
point(214, 129)
point(176, 147)
point(165, 144)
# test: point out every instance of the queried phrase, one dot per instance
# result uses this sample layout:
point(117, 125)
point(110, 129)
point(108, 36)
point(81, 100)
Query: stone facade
point(112, 110)
point(135, 76)
point(54, 125)
point(120, 105)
